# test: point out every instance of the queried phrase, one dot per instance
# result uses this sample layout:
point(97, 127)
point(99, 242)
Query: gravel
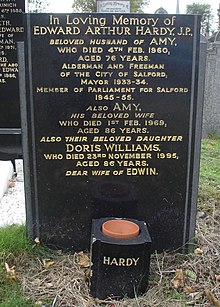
point(12, 206)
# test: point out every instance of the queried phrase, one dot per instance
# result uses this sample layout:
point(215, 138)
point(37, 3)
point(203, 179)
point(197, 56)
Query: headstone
point(110, 6)
point(11, 31)
point(161, 10)
point(198, 129)
point(211, 113)
point(109, 121)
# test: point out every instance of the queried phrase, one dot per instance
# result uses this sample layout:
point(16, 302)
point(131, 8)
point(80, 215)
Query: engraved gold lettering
point(108, 30)
point(120, 261)
point(162, 41)
point(76, 173)
point(146, 66)
point(133, 58)
point(76, 138)
point(121, 20)
point(172, 90)
point(53, 156)
point(90, 20)
point(108, 42)
point(140, 30)
point(58, 30)
point(131, 147)
point(106, 260)
point(93, 82)
point(50, 139)
point(110, 90)
point(147, 171)
point(100, 172)
point(83, 148)
point(87, 163)
point(82, 66)
point(52, 90)
point(88, 58)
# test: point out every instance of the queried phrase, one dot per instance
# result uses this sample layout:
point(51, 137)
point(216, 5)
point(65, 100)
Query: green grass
point(13, 240)
point(209, 184)
point(174, 295)
point(15, 249)
point(11, 295)
point(13, 244)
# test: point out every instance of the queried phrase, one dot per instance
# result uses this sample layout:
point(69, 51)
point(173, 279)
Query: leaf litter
point(176, 279)
point(194, 277)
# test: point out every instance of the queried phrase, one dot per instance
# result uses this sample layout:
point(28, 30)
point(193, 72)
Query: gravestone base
point(119, 267)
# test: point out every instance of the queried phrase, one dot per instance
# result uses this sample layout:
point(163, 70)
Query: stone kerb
point(6, 173)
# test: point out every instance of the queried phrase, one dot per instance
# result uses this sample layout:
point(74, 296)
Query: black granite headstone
point(11, 31)
point(110, 109)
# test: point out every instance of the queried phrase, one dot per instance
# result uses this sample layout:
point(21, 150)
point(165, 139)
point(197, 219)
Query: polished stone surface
point(111, 131)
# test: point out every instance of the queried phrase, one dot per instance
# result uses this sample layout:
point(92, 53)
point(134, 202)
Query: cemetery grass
point(32, 275)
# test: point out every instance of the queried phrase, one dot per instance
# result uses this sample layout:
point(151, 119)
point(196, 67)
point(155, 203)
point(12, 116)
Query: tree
point(137, 5)
point(89, 6)
point(206, 12)
point(37, 6)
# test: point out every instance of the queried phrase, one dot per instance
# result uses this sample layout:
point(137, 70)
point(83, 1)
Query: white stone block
point(19, 169)
point(6, 173)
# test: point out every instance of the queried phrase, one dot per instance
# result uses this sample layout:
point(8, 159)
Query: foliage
point(37, 6)
point(203, 9)
point(137, 5)
point(89, 6)
point(84, 6)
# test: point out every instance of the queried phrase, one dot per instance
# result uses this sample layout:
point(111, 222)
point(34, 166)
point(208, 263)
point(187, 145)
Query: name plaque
point(110, 110)
point(108, 6)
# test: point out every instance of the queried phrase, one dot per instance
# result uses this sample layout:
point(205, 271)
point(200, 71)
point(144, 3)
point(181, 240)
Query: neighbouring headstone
point(110, 6)
point(211, 114)
point(161, 10)
point(11, 31)
point(109, 104)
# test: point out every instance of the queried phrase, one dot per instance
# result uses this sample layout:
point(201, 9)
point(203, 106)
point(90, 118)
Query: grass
point(13, 240)
point(12, 295)
point(13, 246)
point(16, 251)
point(209, 183)
point(50, 278)
point(175, 295)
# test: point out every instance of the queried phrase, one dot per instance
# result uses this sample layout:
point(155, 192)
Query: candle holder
point(120, 258)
